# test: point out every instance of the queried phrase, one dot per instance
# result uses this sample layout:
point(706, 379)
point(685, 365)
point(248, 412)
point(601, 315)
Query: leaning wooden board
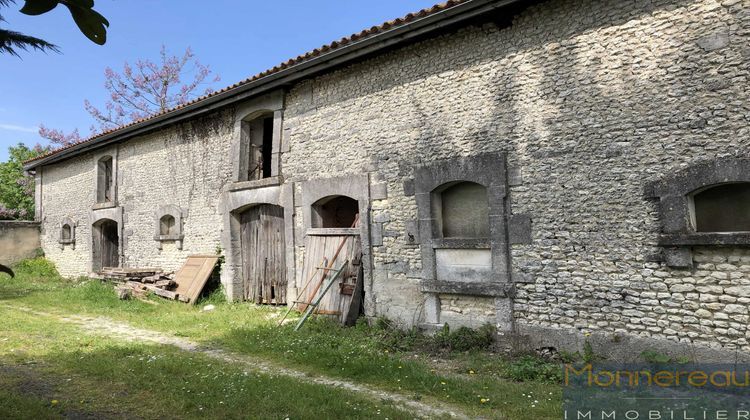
point(192, 277)
point(316, 248)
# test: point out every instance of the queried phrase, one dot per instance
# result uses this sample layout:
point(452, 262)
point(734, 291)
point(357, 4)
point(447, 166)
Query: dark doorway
point(338, 211)
point(106, 245)
point(263, 254)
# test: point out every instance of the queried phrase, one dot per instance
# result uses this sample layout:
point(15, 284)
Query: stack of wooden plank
point(128, 274)
point(138, 282)
point(186, 285)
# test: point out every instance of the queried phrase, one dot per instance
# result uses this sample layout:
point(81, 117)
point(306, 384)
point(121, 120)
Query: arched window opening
point(722, 208)
point(66, 234)
point(257, 140)
point(462, 210)
point(167, 225)
point(337, 211)
point(105, 183)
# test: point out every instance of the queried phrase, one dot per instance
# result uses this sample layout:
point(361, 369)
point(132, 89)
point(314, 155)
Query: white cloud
point(13, 127)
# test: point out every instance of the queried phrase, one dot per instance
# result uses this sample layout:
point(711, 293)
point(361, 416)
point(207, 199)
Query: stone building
point(557, 168)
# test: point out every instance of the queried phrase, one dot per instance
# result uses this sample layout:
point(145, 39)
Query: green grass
point(478, 382)
point(49, 369)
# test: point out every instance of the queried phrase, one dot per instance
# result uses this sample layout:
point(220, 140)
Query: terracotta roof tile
point(366, 33)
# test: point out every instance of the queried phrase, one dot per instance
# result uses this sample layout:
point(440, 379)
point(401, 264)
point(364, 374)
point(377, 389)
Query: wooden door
point(111, 245)
point(319, 250)
point(263, 254)
point(106, 252)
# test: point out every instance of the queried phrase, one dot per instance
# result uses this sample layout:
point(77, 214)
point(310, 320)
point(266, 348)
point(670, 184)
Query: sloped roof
point(354, 41)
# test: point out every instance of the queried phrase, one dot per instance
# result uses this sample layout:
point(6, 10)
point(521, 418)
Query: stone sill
point(468, 243)
point(169, 237)
point(260, 183)
point(332, 231)
point(464, 288)
point(689, 239)
point(106, 205)
point(66, 241)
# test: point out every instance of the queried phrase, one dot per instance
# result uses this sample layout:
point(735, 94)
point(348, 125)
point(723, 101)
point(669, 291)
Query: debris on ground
point(139, 282)
point(186, 285)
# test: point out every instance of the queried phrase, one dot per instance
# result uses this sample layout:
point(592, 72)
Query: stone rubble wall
point(589, 99)
point(187, 165)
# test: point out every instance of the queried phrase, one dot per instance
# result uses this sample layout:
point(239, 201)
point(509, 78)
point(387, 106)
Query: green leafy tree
point(17, 188)
point(92, 24)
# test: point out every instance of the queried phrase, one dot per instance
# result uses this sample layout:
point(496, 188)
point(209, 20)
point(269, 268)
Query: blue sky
point(235, 38)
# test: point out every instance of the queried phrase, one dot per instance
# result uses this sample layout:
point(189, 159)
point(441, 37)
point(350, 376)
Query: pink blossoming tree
point(140, 91)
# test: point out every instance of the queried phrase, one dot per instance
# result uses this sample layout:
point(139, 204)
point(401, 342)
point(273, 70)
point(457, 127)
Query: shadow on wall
point(18, 240)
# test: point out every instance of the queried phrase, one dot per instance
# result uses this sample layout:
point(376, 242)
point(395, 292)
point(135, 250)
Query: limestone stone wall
point(591, 100)
point(186, 165)
point(67, 190)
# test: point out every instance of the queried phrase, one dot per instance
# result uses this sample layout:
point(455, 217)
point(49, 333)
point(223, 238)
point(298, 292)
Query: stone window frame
point(97, 179)
point(178, 214)
point(488, 170)
point(272, 103)
point(72, 240)
point(674, 193)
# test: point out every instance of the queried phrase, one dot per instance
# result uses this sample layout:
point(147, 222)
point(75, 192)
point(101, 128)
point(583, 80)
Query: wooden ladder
point(311, 306)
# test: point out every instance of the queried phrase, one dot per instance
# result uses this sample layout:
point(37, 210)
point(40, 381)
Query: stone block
point(379, 191)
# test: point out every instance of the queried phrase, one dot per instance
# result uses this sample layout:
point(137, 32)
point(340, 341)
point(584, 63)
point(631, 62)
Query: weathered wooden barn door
point(320, 247)
point(106, 238)
point(263, 254)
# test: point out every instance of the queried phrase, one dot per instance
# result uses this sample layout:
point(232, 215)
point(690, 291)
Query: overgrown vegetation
point(532, 368)
point(16, 188)
point(657, 358)
point(444, 341)
point(456, 366)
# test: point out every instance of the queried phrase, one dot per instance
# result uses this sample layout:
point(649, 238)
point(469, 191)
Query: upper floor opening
point(105, 188)
point(256, 147)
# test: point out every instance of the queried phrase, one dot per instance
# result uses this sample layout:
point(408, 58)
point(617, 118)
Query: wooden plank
point(193, 275)
point(318, 247)
point(164, 293)
point(350, 317)
point(314, 304)
point(164, 283)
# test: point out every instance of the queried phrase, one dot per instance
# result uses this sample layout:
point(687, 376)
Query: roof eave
point(337, 57)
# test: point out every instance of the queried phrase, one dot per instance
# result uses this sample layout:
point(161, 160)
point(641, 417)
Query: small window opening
point(66, 233)
point(258, 135)
point(166, 225)
point(463, 210)
point(105, 180)
point(722, 208)
point(335, 212)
